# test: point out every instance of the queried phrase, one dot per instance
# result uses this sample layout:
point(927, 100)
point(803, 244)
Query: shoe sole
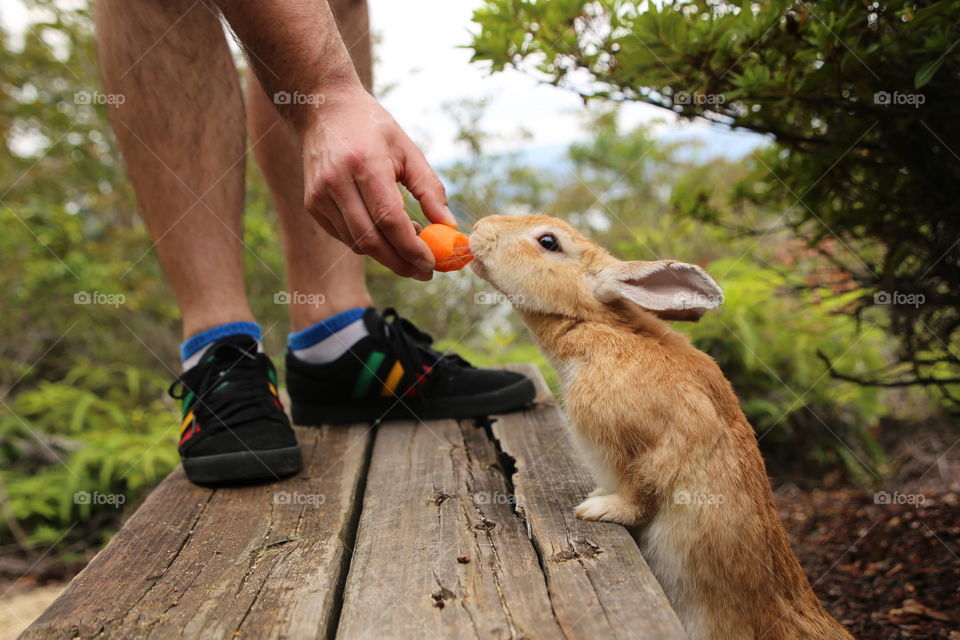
point(502, 400)
point(243, 466)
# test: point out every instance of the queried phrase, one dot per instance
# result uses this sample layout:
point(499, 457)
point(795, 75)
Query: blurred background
point(805, 154)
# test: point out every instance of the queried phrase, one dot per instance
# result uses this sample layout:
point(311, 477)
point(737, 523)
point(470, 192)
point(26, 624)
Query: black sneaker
point(394, 374)
point(234, 428)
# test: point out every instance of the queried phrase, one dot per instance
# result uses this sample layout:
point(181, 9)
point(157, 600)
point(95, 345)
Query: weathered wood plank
point(600, 586)
point(440, 551)
point(263, 561)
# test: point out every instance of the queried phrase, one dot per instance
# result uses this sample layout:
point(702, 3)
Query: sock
point(329, 339)
point(196, 345)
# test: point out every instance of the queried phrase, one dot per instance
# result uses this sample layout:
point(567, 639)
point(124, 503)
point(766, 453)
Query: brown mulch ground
point(886, 567)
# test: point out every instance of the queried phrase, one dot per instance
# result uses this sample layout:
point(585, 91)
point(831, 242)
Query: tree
point(860, 98)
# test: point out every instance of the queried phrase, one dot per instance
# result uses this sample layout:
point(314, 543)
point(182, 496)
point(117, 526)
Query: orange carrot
point(450, 248)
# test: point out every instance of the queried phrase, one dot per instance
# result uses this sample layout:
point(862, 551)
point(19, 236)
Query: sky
point(420, 56)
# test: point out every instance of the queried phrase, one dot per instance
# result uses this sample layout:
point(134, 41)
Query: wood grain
point(261, 561)
point(440, 551)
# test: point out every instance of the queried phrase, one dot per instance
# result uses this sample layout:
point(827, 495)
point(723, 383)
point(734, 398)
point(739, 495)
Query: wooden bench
point(439, 530)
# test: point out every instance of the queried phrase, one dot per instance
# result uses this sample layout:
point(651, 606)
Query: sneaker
point(234, 428)
point(392, 373)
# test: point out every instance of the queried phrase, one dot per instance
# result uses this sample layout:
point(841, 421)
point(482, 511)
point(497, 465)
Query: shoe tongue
point(239, 343)
point(374, 322)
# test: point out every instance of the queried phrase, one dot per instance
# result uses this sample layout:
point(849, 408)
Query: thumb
point(419, 177)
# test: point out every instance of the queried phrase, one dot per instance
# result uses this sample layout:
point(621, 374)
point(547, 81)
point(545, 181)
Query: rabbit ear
point(671, 290)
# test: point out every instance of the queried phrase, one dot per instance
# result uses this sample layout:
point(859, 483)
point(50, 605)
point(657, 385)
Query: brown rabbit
point(658, 425)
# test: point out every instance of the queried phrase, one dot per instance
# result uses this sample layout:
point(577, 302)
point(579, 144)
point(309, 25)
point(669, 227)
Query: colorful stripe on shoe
point(388, 386)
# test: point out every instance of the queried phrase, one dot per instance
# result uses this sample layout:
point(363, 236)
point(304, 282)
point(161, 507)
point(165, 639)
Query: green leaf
point(926, 72)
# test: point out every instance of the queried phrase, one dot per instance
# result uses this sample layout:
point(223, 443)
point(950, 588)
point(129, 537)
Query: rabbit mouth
point(479, 268)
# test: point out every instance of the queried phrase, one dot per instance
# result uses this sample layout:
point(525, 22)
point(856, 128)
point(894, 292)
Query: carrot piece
point(450, 248)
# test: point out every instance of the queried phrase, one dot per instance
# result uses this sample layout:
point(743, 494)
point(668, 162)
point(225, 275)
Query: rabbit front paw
point(608, 508)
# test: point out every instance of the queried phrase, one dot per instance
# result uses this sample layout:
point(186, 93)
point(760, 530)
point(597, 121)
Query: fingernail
point(452, 218)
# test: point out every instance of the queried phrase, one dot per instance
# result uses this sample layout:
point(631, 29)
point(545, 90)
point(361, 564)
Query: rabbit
point(658, 425)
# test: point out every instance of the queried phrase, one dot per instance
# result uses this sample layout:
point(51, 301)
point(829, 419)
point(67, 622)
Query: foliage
point(860, 97)
point(75, 451)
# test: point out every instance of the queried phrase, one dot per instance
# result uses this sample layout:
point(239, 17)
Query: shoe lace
point(414, 346)
point(232, 388)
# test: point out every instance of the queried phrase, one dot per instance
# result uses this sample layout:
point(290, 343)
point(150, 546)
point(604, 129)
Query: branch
point(917, 380)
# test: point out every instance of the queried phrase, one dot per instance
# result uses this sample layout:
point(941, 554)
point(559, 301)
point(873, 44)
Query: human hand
point(354, 153)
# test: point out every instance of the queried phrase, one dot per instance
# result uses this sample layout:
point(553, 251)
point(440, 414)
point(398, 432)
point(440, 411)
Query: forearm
point(294, 46)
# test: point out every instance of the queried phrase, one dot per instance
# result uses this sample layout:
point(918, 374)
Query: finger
point(366, 239)
point(328, 216)
point(385, 205)
point(419, 177)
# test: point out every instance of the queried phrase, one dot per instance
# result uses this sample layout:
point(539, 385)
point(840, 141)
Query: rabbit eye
point(549, 242)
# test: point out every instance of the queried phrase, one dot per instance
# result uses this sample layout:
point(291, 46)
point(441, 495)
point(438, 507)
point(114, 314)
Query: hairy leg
point(317, 263)
point(181, 132)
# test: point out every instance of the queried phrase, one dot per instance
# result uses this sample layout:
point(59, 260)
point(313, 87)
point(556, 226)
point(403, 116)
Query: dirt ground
point(885, 564)
point(19, 608)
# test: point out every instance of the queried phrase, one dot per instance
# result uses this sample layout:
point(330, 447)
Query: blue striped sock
point(196, 345)
point(329, 339)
